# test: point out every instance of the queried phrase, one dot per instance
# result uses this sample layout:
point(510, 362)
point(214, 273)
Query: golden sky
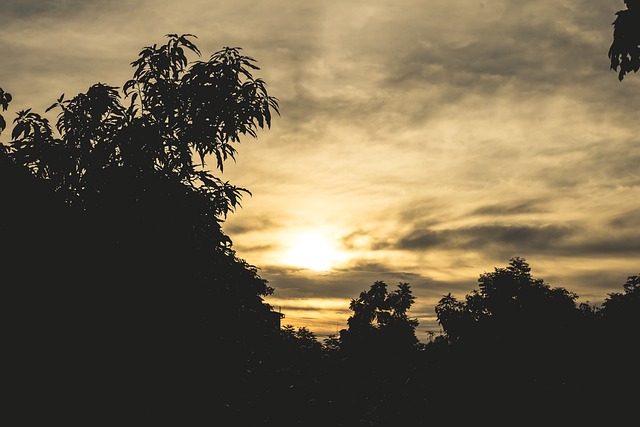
point(420, 141)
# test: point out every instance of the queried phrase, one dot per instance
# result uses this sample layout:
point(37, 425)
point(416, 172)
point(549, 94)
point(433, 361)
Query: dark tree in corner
point(624, 52)
point(123, 293)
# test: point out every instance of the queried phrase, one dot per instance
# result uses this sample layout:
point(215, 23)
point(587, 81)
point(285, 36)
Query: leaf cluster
point(380, 319)
point(624, 52)
point(5, 99)
point(176, 110)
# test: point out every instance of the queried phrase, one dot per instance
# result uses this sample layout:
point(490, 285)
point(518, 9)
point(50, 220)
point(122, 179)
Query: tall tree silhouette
point(149, 282)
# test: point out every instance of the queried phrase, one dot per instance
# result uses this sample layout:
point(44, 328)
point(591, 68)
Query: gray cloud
point(627, 220)
point(591, 286)
point(606, 164)
point(510, 208)
point(522, 240)
point(25, 10)
point(249, 224)
point(505, 238)
point(346, 283)
point(625, 244)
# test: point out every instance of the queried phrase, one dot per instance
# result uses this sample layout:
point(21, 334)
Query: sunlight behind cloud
point(313, 250)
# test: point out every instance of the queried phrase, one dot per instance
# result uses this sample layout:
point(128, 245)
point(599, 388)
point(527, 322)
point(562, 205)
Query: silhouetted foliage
point(620, 315)
point(119, 253)
point(507, 304)
point(176, 109)
point(624, 52)
point(624, 307)
point(380, 319)
point(521, 332)
point(5, 99)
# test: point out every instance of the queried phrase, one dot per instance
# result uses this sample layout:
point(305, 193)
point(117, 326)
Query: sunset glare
point(314, 251)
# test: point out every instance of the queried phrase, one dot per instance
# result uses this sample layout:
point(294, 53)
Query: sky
point(419, 141)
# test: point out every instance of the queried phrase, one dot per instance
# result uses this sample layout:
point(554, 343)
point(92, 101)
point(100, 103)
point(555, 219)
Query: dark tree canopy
point(129, 170)
point(380, 319)
point(621, 310)
point(176, 110)
point(508, 303)
point(112, 242)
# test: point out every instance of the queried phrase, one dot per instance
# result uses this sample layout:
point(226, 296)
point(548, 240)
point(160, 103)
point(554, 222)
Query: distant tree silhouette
point(380, 319)
point(620, 319)
point(624, 52)
point(507, 305)
point(624, 308)
point(372, 361)
point(521, 332)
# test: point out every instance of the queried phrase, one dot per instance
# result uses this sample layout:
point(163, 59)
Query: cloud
point(510, 208)
point(508, 238)
point(591, 282)
point(251, 224)
point(26, 10)
point(620, 244)
point(627, 220)
point(515, 240)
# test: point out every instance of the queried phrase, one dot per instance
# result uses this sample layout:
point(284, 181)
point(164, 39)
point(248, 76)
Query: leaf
point(127, 86)
point(3, 123)
point(20, 128)
point(186, 43)
point(267, 116)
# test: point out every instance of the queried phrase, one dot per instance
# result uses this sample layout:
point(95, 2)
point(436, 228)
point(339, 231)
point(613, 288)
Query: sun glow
point(314, 251)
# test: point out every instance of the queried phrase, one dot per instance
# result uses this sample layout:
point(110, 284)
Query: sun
point(313, 250)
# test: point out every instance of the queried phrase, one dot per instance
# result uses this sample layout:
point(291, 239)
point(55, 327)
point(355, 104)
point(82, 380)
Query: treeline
point(514, 351)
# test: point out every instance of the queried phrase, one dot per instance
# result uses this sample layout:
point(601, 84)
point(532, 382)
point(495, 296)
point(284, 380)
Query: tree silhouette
point(624, 306)
point(507, 305)
point(371, 363)
point(176, 110)
point(620, 318)
point(521, 333)
point(136, 273)
point(624, 52)
point(380, 318)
